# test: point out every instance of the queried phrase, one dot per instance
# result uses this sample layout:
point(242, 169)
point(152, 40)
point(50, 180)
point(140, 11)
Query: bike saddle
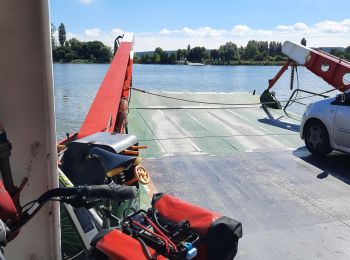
point(111, 160)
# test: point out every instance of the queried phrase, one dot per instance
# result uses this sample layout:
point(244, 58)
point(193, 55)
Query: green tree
point(179, 54)
point(77, 47)
point(279, 48)
point(214, 55)
point(197, 54)
point(228, 52)
point(251, 50)
point(98, 52)
point(61, 34)
point(263, 46)
point(53, 30)
point(145, 59)
point(172, 58)
point(272, 48)
point(259, 57)
point(164, 58)
point(155, 58)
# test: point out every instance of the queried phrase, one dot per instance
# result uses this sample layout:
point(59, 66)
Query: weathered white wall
point(27, 113)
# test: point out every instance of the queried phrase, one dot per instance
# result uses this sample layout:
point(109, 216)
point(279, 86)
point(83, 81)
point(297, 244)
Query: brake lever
point(78, 202)
point(92, 203)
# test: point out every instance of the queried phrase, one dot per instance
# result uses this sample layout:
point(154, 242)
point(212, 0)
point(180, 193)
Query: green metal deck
point(249, 164)
point(170, 127)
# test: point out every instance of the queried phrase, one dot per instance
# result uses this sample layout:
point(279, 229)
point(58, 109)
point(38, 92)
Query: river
point(77, 84)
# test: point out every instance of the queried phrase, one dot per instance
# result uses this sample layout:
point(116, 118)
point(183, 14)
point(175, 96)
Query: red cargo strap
point(7, 207)
point(119, 246)
point(177, 210)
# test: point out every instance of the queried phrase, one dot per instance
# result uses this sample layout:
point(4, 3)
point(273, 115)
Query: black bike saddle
point(111, 160)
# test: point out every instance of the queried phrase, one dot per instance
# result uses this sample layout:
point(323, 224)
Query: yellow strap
point(115, 171)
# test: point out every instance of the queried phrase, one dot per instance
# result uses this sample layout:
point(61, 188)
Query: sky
point(175, 24)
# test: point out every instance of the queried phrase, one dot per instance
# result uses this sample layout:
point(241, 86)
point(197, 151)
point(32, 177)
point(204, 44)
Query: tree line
point(255, 52)
point(343, 54)
point(74, 50)
point(227, 54)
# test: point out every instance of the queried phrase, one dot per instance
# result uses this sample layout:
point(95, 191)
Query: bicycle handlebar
point(110, 191)
point(113, 191)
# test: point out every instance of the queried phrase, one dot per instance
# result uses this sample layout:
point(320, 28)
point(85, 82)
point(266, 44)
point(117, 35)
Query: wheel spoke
point(315, 137)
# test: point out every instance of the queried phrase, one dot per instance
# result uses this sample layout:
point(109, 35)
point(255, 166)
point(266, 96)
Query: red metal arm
point(116, 85)
point(273, 81)
point(330, 68)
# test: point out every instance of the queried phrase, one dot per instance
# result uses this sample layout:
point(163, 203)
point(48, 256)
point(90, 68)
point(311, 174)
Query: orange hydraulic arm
point(273, 81)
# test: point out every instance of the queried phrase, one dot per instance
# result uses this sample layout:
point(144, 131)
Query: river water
point(77, 84)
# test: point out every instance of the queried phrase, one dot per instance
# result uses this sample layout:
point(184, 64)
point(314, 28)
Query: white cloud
point(94, 32)
point(165, 31)
point(116, 32)
point(300, 27)
point(295, 27)
point(241, 30)
point(204, 32)
point(323, 33)
point(333, 26)
point(85, 2)
point(284, 27)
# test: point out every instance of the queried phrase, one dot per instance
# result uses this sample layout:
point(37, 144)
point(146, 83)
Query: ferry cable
point(225, 104)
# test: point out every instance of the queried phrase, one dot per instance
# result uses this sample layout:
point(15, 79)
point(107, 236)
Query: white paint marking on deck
point(194, 145)
point(264, 139)
point(183, 131)
point(243, 140)
point(151, 130)
point(275, 143)
point(246, 119)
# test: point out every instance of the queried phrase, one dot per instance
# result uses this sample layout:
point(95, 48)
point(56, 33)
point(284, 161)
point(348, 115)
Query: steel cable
point(225, 104)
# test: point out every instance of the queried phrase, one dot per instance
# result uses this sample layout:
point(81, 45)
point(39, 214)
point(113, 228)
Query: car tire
point(317, 138)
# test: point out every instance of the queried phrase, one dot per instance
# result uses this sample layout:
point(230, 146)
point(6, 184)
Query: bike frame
point(86, 221)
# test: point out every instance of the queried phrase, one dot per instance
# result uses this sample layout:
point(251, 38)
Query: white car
point(326, 125)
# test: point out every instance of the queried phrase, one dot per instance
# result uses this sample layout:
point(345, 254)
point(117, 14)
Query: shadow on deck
point(280, 124)
point(335, 164)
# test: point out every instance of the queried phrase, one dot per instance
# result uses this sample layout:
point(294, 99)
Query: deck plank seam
point(182, 131)
point(207, 129)
point(217, 136)
point(162, 146)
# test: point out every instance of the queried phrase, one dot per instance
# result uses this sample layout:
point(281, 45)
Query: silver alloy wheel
point(315, 137)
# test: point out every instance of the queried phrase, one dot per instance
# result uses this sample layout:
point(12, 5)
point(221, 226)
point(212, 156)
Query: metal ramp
point(248, 164)
point(289, 208)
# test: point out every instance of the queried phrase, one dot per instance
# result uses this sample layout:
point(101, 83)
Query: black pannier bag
point(81, 170)
point(218, 234)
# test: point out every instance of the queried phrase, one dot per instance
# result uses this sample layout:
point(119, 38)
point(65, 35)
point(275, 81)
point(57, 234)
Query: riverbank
point(237, 63)
point(79, 61)
point(232, 63)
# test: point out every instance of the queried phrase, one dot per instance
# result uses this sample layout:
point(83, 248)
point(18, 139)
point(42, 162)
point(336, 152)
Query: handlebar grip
point(113, 191)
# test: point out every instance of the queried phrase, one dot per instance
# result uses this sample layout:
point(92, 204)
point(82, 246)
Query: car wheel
point(317, 138)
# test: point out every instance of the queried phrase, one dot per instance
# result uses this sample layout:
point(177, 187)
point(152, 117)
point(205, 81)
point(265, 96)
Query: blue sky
point(174, 24)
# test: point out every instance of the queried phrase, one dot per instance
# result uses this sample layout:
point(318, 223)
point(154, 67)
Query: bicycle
point(82, 196)
point(80, 225)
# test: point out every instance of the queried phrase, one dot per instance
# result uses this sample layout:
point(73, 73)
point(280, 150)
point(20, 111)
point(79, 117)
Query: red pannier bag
point(8, 210)
point(118, 246)
point(7, 207)
point(218, 235)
